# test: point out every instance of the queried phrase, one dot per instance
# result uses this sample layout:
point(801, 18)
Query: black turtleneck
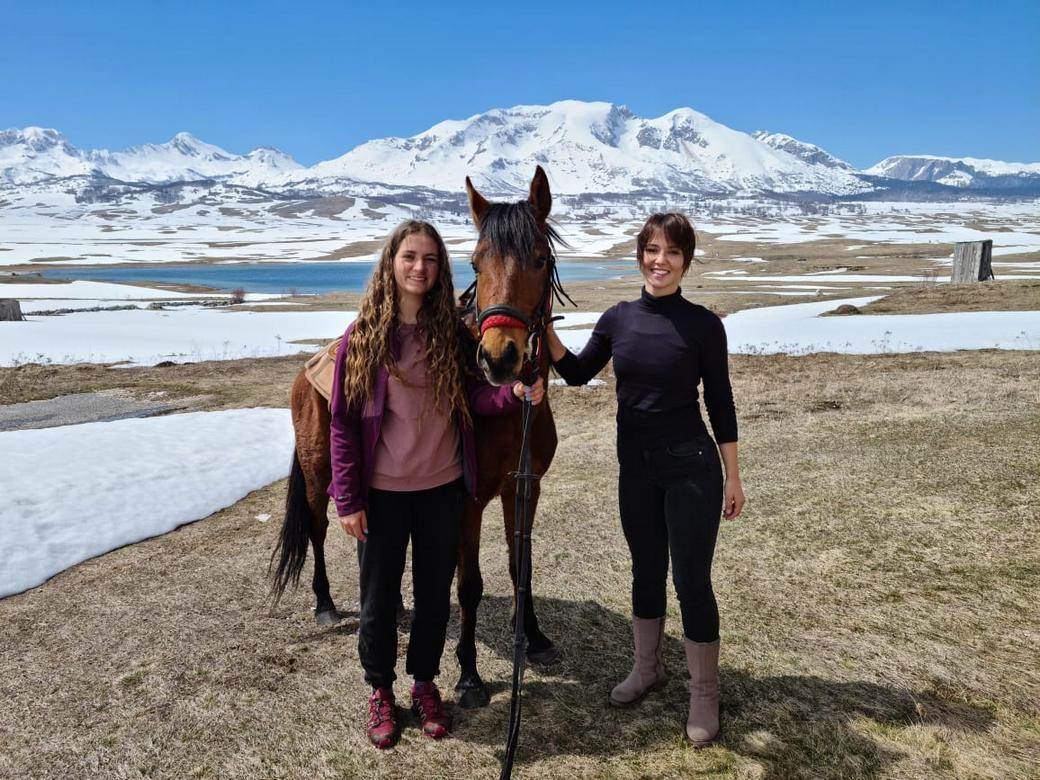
point(663, 348)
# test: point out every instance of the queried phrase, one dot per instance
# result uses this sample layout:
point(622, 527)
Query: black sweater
point(662, 349)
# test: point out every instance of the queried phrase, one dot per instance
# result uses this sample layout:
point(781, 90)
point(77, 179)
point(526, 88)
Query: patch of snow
point(111, 484)
point(53, 304)
point(798, 329)
point(823, 277)
point(147, 337)
point(572, 318)
point(561, 382)
point(107, 291)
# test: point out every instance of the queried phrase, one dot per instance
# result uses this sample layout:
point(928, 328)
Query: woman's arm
point(579, 369)
point(490, 401)
point(345, 441)
point(718, 398)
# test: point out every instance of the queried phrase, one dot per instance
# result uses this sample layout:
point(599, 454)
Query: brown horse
point(515, 264)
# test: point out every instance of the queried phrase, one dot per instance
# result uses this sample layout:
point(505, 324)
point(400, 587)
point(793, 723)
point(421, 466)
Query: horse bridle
point(502, 315)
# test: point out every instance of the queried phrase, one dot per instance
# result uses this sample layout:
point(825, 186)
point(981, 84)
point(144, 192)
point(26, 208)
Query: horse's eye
point(539, 263)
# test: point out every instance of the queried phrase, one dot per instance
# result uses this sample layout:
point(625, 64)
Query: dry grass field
point(878, 603)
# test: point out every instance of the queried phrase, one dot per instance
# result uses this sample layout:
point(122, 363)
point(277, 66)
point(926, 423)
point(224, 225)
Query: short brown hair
point(676, 228)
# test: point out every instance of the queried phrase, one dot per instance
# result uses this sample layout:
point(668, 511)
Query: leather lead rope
point(522, 563)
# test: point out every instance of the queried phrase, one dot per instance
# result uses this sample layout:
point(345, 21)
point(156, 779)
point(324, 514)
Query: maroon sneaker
point(427, 704)
point(382, 723)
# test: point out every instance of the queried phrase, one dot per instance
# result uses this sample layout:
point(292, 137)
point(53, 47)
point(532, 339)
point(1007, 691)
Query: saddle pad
point(320, 368)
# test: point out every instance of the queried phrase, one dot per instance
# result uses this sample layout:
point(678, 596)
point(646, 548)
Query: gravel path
point(89, 407)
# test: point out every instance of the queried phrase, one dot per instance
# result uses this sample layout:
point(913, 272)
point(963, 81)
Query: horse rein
point(501, 315)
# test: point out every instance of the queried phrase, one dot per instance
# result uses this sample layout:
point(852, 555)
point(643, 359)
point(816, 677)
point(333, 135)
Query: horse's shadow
point(794, 725)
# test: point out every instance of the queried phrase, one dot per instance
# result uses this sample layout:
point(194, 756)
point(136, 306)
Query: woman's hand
point(732, 498)
point(356, 525)
point(537, 391)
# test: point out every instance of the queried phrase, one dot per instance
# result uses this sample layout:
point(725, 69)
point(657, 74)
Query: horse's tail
point(291, 550)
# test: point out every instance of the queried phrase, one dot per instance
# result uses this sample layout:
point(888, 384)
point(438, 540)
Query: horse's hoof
point(545, 656)
point(473, 693)
point(474, 698)
point(328, 617)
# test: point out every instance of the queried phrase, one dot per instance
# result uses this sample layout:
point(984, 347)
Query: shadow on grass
point(793, 725)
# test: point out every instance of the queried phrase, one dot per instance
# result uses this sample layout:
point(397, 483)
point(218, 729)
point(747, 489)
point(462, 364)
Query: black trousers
point(431, 519)
point(671, 502)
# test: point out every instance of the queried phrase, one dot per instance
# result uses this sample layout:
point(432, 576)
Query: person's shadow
point(794, 725)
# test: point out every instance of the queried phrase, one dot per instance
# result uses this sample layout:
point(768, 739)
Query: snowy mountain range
point(587, 148)
point(590, 147)
point(36, 154)
point(964, 172)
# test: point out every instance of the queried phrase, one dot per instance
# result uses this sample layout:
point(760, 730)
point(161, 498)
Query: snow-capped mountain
point(964, 172)
point(186, 157)
point(35, 154)
point(589, 147)
point(810, 153)
point(600, 150)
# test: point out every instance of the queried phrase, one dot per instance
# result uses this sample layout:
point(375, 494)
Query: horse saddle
point(320, 369)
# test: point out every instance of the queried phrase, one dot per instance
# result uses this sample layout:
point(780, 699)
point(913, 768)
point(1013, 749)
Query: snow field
point(106, 291)
point(798, 329)
point(78, 491)
point(146, 337)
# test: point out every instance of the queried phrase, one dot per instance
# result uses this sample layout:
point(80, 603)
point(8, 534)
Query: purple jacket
point(355, 431)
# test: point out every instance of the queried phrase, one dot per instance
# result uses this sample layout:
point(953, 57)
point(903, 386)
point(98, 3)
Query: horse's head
point(515, 265)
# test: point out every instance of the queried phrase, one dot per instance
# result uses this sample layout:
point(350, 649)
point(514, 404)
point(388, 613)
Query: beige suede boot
point(702, 724)
point(647, 672)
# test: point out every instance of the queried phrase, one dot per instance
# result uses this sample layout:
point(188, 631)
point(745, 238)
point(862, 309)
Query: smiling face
point(663, 265)
point(416, 265)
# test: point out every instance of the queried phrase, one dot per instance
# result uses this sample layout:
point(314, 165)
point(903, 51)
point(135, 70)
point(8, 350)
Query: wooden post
point(10, 310)
point(972, 261)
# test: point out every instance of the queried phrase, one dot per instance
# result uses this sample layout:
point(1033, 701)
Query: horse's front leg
point(471, 688)
point(540, 649)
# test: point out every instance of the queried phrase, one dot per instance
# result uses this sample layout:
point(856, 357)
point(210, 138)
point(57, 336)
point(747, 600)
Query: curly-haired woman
point(403, 459)
point(670, 484)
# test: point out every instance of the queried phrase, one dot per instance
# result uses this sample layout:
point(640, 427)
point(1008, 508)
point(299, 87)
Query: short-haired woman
point(671, 487)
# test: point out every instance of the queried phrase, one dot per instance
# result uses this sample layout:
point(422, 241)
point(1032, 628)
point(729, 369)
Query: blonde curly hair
point(438, 321)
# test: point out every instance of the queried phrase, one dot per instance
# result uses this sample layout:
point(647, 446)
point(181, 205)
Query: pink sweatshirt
point(418, 446)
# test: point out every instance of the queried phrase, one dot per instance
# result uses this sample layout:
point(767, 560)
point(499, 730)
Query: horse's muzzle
point(500, 361)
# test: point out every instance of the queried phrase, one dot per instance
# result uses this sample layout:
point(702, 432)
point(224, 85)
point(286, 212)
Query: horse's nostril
point(509, 354)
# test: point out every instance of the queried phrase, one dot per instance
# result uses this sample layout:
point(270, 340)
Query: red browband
point(501, 321)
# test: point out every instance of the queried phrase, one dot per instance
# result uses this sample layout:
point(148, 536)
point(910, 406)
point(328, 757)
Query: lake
point(300, 277)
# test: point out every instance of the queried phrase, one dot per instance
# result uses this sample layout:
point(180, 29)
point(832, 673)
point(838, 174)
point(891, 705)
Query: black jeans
point(671, 500)
point(431, 518)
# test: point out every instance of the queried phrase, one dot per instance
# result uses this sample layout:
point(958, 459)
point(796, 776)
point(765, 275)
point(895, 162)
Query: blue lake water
point(298, 277)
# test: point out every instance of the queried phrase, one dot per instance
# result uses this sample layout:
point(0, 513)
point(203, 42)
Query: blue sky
point(314, 79)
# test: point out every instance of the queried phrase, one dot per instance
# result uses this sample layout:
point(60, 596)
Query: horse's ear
point(540, 196)
point(478, 206)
